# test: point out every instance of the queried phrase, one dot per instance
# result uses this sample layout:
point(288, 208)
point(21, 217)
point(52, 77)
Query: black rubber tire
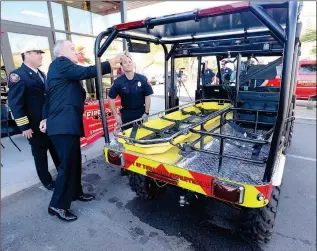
point(145, 187)
point(257, 224)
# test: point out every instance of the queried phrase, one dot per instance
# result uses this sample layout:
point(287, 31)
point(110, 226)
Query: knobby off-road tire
point(145, 187)
point(257, 224)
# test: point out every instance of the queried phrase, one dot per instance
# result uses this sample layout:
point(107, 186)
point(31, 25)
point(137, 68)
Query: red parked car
point(306, 87)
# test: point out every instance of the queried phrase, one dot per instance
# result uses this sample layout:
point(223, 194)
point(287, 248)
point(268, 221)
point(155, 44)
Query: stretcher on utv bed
point(195, 145)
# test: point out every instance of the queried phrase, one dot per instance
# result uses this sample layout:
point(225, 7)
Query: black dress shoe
point(50, 186)
point(86, 197)
point(63, 214)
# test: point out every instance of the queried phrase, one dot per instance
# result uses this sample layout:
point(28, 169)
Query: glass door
point(15, 37)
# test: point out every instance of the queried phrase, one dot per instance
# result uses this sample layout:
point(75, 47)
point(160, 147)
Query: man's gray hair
point(58, 45)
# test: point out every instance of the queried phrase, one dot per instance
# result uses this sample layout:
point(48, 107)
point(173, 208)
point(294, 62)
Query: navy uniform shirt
point(132, 92)
point(26, 97)
point(224, 71)
point(208, 76)
point(65, 97)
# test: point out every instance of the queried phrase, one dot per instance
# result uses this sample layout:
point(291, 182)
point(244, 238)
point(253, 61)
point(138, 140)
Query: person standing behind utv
point(134, 91)
point(224, 70)
point(65, 107)
point(208, 77)
point(26, 100)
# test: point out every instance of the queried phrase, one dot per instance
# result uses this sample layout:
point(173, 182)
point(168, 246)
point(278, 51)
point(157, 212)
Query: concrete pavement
point(118, 220)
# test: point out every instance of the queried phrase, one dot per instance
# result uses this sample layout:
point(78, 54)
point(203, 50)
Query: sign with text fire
point(92, 121)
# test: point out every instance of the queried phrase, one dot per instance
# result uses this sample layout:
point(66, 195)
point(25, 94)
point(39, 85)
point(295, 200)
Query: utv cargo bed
point(201, 137)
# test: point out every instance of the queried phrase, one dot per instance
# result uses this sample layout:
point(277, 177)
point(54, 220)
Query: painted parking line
point(300, 157)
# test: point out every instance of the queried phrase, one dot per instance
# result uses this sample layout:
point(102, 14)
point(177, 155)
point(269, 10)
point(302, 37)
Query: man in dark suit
point(64, 124)
point(26, 99)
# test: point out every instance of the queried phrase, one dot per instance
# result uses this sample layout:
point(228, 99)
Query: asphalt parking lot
point(118, 220)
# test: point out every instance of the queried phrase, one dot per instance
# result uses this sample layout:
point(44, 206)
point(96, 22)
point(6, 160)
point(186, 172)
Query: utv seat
point(264, 99)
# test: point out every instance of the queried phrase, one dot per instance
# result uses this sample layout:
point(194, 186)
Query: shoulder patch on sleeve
point(14, 77)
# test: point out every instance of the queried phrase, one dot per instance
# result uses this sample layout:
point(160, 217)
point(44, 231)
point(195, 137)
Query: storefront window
point(114, 48)
point(98, 23)
point(85, 49)
point(113, 19)
point(17, 43)
point(28, 12)
point(102, 23)
point(79, 21)
point(58, 16)
point(60, 36)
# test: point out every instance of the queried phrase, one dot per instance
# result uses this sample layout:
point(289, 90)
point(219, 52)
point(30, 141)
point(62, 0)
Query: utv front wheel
point(146, 187)
point(257, 224)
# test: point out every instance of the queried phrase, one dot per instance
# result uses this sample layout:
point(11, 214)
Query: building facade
point(45, 22)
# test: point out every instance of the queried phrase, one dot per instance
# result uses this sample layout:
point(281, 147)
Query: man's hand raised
point(117, 59)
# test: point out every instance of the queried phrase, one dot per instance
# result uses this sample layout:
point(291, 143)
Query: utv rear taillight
point(115, 158)
point(228, 192)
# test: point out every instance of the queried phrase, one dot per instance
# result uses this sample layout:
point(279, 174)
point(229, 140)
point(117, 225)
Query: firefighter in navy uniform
point(26, 99)
point(65, 99)
point(134, 91)
point(225, 72)
point(208, 77)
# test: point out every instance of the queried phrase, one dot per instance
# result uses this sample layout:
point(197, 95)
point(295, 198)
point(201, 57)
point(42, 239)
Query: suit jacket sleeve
point(71, 71)
point(16, 103)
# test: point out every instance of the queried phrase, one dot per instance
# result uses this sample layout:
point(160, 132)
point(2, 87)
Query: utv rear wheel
point(146, 187)
point(257, 224)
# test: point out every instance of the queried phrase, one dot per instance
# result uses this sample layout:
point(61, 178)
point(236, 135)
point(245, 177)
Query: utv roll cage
point(235, 30)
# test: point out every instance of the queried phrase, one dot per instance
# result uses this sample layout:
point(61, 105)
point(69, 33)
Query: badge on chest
point(139, 84)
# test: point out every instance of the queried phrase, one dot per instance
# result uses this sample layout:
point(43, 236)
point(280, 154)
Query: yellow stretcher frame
point(159, 123)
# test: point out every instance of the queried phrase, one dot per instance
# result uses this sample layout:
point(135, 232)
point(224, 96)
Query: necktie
point(41, 77)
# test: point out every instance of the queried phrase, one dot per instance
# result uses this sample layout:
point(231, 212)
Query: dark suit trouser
point(40, 143)
point(68, 182)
